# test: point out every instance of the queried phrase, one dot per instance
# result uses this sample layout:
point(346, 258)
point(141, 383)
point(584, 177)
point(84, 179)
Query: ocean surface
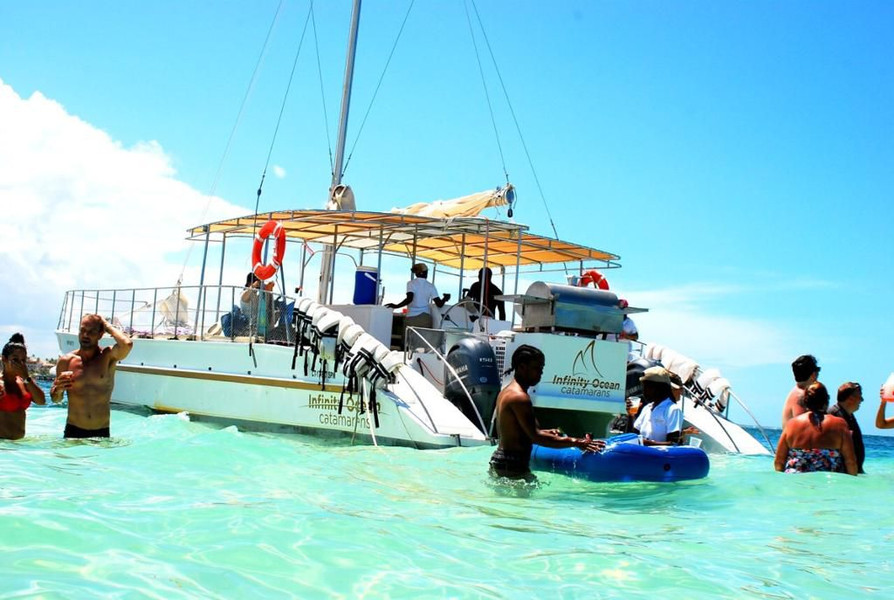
point(170, 508)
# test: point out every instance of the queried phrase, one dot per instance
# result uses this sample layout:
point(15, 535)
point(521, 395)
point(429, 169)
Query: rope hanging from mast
point(248, 91)
point(376, 91)
point(514, 119)
point(313, 23)
point(281, 111)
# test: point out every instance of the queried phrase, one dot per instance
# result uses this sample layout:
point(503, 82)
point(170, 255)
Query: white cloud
point(83, 211)
point(279, 172)
point(686, 318)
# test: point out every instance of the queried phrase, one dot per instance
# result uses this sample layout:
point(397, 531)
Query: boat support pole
point(462, 263)
point(379, 263)
point(517, 265)
point(199, 307)
point(223, 248)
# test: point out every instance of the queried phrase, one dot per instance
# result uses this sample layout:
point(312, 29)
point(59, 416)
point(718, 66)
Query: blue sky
point(737, 155)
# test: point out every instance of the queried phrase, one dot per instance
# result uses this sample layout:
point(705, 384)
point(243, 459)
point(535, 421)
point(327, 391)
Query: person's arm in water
point(123, 343)
point(521, 406)
point(881, 422)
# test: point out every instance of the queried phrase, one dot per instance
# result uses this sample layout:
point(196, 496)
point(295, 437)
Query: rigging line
point(282, 109)
point(239, 114)
point(378, 85)
point(515, 120)
point(313, 22)
point(490, 106)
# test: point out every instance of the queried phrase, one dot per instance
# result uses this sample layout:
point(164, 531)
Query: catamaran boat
point(291, 362)
point(353, 369)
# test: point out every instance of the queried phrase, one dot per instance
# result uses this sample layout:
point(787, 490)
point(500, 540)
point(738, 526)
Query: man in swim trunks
point(87, 375)
point(806, 371)
point(517, 427)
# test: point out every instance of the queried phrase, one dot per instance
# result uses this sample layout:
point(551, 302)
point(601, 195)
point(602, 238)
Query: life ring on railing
point(595, 277)
point(262, 271)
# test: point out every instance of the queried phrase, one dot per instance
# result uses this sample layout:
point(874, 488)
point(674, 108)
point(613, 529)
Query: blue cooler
point(365, 284)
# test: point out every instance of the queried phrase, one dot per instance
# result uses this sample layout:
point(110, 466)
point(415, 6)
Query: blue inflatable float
point(624, 462)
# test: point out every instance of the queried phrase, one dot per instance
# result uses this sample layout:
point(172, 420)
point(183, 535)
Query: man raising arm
point(87, 375)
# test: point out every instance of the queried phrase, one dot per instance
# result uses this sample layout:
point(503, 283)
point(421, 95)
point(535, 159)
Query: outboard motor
point(635, 370)
point(475, 363)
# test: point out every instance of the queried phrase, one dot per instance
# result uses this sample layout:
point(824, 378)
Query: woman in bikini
point(17, 389)
point(815, 441)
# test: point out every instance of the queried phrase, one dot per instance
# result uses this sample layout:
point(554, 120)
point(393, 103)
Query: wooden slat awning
point(452, 242)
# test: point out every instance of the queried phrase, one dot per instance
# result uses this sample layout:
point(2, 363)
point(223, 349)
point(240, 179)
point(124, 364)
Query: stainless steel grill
point(559, 307)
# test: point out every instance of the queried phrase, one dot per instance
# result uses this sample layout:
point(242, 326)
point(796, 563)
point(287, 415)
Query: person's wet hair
point(16, 342)
point(816, 401)
point(525, 354)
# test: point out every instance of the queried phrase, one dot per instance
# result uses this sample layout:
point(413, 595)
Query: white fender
point(704, 380)
point(348, 337)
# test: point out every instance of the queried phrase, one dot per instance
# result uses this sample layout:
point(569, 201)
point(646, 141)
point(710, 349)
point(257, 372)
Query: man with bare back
point(517, 427)
point(88, 376)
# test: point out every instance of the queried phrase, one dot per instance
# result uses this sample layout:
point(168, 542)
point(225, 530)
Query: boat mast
point(329, 251)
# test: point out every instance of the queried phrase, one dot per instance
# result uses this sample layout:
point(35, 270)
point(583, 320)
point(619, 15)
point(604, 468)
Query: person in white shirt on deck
point(420, 293)
point(661, 421)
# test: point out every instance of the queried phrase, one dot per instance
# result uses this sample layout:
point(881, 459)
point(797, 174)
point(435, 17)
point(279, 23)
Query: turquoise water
point(170, 508)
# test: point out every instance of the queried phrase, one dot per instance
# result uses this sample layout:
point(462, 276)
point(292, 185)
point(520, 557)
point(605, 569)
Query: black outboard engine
point(635, 370)
point(475, 363)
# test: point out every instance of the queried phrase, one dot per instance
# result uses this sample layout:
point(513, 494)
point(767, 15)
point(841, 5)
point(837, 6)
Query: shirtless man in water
point(806, 372)
point(518, 428)
point(88, 375)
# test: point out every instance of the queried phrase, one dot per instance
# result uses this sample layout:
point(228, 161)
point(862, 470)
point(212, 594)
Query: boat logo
point(585, 360)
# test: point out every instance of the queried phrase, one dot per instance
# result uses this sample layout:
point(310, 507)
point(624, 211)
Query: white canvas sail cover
point(467, 206)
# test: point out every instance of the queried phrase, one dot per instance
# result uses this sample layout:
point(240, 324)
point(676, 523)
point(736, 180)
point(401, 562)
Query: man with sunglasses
point(806, 371)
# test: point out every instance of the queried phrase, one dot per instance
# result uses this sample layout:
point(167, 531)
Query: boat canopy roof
point(460, 242)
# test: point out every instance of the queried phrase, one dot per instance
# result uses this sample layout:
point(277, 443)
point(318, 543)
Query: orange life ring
point(262, 271)
point(595, 277)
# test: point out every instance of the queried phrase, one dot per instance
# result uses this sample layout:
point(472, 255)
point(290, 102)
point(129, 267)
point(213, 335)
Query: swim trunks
point(11, 401)
point(73, 432)
point(809, 460)
point(513, 465)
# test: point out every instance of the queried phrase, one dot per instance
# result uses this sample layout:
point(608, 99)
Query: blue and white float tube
point(624, 460)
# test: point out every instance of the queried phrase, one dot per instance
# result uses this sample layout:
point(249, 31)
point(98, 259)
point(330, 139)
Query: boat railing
point(208, 312)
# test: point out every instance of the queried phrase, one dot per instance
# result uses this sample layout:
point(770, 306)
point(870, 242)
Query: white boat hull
point(221, 380)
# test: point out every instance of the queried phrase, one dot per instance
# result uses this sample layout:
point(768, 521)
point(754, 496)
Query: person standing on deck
point(517, 427)
point(494, 308)
point(420, 292)
point(87, 375)
point(850, 397)
point(806, 372)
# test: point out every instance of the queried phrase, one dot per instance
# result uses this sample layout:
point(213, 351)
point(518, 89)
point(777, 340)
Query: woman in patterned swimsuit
point(815, 441)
